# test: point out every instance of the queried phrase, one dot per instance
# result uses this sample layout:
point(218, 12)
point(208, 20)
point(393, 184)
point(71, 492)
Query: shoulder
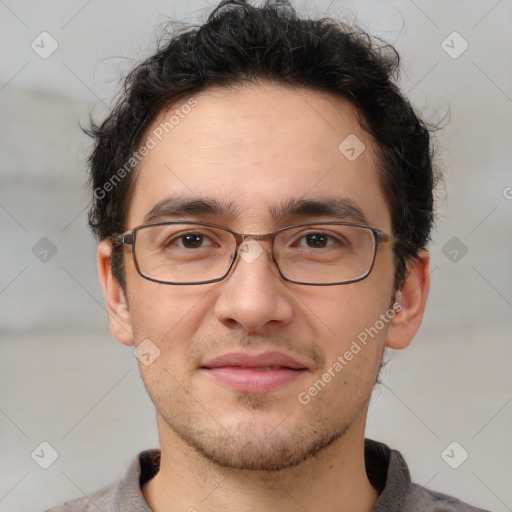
point(124, 494)
point(419, 499)
point(388, 472)
point(101, 500)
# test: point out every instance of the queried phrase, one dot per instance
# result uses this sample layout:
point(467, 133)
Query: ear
point(413, 298)
point(117, 305)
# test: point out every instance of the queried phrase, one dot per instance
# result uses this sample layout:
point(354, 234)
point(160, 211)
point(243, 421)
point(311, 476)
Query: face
point(258, 147)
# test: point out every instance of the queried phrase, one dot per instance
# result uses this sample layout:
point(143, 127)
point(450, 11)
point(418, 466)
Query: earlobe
point(116, 303)
point(410, 303)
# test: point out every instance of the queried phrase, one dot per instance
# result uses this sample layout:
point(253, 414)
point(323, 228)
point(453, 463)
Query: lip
point(241, 359)
point(260, 373)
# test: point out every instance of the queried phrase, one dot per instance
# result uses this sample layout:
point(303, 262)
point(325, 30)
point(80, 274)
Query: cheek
point(352, 330)
point(353, 357)
point(166, 314)
point(340, 313)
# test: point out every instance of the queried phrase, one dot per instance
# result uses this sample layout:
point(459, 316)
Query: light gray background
point(66, 381)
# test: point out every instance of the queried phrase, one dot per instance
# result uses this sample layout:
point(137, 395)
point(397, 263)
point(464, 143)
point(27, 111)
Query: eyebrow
point(179, 206)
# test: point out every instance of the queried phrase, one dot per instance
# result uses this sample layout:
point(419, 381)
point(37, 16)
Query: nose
point(253, 294)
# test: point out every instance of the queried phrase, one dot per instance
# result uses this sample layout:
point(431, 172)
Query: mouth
point(262, 373)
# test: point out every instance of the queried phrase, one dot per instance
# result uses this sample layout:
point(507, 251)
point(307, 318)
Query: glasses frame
point(129, 238)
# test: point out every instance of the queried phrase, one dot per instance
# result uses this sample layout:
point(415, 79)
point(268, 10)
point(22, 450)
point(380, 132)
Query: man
point(263, 199)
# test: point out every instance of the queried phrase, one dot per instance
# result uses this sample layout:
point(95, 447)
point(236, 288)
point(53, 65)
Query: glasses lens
point(183, 253)
point(325, 254)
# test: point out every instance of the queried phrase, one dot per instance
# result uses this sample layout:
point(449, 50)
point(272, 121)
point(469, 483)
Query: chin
point(250, 448)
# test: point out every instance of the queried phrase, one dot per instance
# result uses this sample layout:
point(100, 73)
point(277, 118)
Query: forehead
point(255, 148)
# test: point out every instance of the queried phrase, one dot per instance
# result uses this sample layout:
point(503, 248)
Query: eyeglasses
point(187, 252)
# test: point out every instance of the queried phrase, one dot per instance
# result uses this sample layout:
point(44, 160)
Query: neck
point(187, 481)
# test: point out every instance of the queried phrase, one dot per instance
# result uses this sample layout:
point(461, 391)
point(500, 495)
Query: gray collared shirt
point(386, 469)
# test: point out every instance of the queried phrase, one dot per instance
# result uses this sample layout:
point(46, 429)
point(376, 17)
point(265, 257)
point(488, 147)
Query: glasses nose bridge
point(241, 238)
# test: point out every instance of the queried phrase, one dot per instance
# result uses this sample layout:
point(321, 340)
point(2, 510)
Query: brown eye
point(191, 240)
point(316, 240)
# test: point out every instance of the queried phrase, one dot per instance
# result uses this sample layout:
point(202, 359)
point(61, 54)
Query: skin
point(258, 145)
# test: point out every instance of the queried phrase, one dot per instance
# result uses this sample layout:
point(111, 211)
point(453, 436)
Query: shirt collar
point(386, 469)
